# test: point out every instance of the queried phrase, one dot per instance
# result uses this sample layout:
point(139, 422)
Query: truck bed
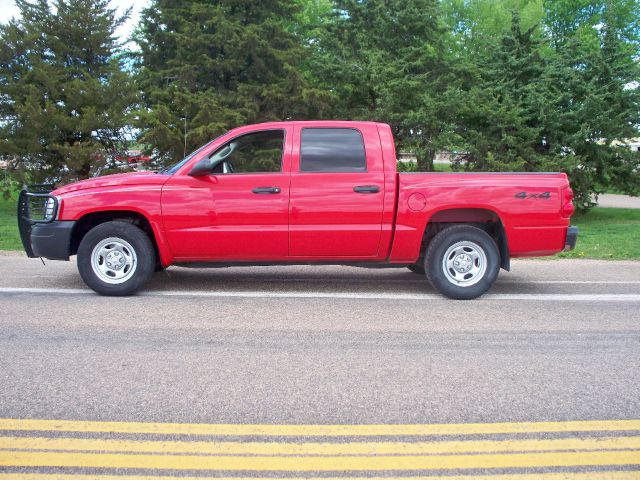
point(529, 205)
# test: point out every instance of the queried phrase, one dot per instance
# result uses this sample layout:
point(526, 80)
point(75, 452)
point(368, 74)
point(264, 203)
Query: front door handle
point(266, 190)
point(366, 189)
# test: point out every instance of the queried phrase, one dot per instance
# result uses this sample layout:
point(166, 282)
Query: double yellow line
point(392, 430)
point(600, 475)
point(583, 445)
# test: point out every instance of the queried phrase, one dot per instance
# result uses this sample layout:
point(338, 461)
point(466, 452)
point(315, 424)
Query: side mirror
point(202, 168)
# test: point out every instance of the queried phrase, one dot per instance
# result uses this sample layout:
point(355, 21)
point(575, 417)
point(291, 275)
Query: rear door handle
point(366, 189)
point(266, 190)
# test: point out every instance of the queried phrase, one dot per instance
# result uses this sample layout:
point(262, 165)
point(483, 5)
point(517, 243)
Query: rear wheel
point(116, 258)
point(462, 262)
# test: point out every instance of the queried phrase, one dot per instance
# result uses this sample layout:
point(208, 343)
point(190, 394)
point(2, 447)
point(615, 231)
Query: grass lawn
point(9, 237)
point(609, 233)
point(442, 167)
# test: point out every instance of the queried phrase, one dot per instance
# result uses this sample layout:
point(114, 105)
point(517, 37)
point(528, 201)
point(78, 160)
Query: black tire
point(141, 266)
point(482, 255)
point(417, 268)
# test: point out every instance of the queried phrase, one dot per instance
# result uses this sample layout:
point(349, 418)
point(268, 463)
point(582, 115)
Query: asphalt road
point(555, 341)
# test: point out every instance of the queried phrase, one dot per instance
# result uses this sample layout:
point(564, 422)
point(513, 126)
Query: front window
point(256, 152)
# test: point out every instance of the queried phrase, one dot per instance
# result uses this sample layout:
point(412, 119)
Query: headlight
point(49, 209)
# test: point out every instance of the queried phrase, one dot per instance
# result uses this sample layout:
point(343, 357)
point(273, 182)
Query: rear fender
point(411, 246)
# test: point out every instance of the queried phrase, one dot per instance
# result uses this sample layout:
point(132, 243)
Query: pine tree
point(501, 117)
point(385, 60)
point(595, 64)
point(560, 95)
point(205, 67)
point(64, 97)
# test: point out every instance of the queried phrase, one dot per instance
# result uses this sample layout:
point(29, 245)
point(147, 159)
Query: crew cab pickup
point(300, 193)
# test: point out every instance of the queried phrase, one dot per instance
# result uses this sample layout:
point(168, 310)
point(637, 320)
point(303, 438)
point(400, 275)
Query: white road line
point(569, 282)
point(249, 279)
point(563, 297)
point(421, 280)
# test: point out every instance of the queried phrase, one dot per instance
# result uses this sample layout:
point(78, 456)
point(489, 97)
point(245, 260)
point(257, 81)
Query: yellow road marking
point(319, 448)
point(601, 475)
point(318, 430)
point(344, 463)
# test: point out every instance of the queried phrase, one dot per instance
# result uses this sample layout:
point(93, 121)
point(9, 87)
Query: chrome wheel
point(464, 264)
point(113, 260)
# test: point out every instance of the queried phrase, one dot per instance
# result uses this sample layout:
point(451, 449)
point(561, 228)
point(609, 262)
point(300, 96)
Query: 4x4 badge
point(525, 195)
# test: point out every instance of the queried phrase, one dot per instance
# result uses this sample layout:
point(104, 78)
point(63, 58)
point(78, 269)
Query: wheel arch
point(486, 219)
point(90, 220)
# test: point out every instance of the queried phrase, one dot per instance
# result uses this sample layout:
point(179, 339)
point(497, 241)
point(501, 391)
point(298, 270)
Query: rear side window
point(332, 150)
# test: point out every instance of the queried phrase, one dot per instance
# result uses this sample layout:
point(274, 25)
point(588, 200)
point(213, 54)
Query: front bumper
point(572, 238)
point(52, 240)
point(41, 234)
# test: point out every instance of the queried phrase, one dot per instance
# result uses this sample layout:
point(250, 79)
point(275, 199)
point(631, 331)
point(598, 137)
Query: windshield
point(175, 167)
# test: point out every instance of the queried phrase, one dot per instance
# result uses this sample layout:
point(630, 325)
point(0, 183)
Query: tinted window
point(332, 150)
point(258, 152)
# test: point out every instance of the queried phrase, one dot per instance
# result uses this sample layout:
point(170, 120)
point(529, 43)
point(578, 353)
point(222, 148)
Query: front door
point(240, 211)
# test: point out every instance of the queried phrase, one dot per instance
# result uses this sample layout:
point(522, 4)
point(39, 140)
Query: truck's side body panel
point(528, 206)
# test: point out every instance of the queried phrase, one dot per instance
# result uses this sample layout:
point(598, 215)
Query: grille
point(35, 205)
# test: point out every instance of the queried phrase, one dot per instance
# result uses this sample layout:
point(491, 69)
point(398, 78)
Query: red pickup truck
point(298, 193)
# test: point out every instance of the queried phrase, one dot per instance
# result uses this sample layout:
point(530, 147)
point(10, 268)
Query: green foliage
point(309, 18)
point(214, 66)
point(525, 85)
point(595, 65)
point(385, 60)
point(503, 104)
point(474, 22)
point(407, 166)
point(557, 96)
point(64, 96)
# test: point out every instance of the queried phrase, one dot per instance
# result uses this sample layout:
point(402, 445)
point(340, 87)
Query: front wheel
point(116, 258)
point(462, 262)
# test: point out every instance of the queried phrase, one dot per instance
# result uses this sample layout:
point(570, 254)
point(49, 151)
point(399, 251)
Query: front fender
point(141, 200)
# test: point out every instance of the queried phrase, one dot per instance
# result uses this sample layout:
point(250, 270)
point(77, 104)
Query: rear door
point(337, 191)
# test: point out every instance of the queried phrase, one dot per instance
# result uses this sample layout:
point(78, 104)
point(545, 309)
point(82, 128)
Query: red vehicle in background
point(298, 193)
